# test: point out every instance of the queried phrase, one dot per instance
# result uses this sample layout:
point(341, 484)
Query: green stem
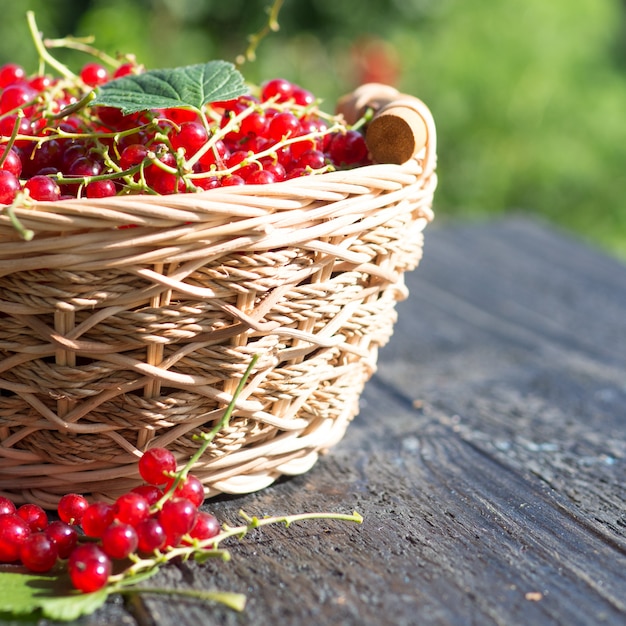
point(255, 39)
point(235, 601)
point(82, 45)
point(41, 48)
point(25, 233)
point(207, 438)
point(76, 106)
point(14, 133)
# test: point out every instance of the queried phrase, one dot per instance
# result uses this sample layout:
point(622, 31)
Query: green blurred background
point(529, 97)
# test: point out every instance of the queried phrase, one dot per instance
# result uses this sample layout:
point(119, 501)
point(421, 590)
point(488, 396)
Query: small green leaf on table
point(48, 596)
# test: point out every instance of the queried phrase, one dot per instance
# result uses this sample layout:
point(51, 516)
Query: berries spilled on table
point(90, 539)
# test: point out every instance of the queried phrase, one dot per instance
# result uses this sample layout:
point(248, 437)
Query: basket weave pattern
point(116, 338)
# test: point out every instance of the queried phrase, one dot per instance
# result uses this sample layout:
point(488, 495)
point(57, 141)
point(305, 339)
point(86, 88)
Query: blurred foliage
point(529, 97)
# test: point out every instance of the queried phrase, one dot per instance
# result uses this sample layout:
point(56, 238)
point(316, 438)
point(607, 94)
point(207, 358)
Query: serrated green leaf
point(190, 87)
point(51, 596)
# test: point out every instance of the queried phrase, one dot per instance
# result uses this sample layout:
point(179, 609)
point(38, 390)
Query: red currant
point(178, 516)
point(206, 526)
point(13, 532)
point(89, 568)
point(119, 540)
point(9, 186)
point(348, 148)
point(100, 189)
point(151, 493)
point(34, 516)
point(283, 125)
point(42, 188)
point(6, 506)
point(94, 74)
point(97, 518)
point(191, 488)
point(39, 553)
point(16, 96)
point(12, 162)
point(190, 138)
point(64, 536)
point(156, 466)
point(131, 508)
point(150, 535)
point(11, 73)
point(278, 88)
point(72, 507)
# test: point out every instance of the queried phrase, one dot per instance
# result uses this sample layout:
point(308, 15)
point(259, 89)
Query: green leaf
point(24, 595)
point(189, 87)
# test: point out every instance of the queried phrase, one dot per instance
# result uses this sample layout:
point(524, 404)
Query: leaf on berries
point(191, 87)
point(51, 596)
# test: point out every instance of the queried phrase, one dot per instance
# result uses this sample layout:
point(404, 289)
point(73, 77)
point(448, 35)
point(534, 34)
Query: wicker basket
point(113, 340)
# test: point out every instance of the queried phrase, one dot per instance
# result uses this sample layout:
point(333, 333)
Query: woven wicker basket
point(113, 340)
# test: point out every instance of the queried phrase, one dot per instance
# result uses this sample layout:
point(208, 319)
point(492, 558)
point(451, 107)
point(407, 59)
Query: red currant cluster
point(91, 538)
point(53, 145)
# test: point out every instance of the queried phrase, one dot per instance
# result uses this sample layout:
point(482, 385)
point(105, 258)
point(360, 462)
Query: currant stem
point(235, 601)
point(256, 38)
point(209, 547)
point(43, 52)
point(207, 438)
point(82, 45)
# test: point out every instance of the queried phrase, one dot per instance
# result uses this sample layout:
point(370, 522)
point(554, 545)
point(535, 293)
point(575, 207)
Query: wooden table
point(488, 460)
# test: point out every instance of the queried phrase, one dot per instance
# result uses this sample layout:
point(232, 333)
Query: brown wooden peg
point(396, 133)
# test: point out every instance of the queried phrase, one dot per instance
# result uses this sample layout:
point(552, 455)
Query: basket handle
point(400, 128)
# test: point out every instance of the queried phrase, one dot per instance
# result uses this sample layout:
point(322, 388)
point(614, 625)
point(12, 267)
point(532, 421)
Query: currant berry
point(94, 74)
point(348, 148)
point(39, 553)
point(131, 508)
point(278, 88)
point(9, 186)
point(17, 96)
point(206, 526)
point(190, 488)
point(11, 73)
point(97, 518)
point(6, 506)
point(315, 159)
point(150, 535)
point(89, 568)
point(232, 180)
point(151, 493)
point(157, 465)
point(72, 507)
point(283, 125)
point(124, 70)
point(13, 532)
point(12, 162)
point(7, 125)
point(100, 189)
point(190, 138)
point(178, 516)
point(260, 177)
point(132, 155)
point(119, 540)
point(34, 516)
point(64, 536)
point(43, 188)
point(85, 167)
point(302, 96)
